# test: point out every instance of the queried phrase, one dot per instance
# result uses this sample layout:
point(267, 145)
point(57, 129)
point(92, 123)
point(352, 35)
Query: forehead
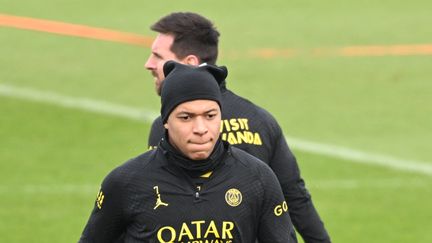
point(163, 42)
point(197, 106)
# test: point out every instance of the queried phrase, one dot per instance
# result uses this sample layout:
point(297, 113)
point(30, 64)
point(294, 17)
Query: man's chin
point(199, 155)
point(198, 151)
point(158, 90)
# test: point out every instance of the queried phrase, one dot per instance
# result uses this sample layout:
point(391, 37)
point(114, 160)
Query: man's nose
point(200, 126)
point(150, 64)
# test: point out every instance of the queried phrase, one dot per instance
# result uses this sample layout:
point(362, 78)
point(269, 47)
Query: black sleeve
point(107, 221)
point(156, 133)
point(275, 224)
point(301, 209)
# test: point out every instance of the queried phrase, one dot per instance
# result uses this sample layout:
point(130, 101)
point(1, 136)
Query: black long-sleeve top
point(156, 198)
point(254, 130)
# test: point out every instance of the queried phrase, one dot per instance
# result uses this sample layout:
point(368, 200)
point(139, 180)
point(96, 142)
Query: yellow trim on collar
point(207, 175)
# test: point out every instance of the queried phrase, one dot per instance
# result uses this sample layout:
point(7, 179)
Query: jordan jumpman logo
point(158, 199)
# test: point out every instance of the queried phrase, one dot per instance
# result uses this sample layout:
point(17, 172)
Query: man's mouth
point(199, 142)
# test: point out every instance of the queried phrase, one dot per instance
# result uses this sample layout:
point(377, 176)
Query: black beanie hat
point(186, 83)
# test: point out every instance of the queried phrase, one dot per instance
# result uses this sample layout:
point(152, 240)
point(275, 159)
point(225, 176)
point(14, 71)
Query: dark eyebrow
point(211, 110)
point(194, 114)
point(156, 54)
point(185, 113)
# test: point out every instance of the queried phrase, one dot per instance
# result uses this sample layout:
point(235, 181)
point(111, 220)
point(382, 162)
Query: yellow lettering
point(226, 230)
point(100, 199)
point(212, 229)
point(231, 138)
point(172, 232)
point(185, 231)
point(249, 137)
point(241, 123)
point(241, 137)
point(186, 234)
point(227, 125)
point(278, 210)
point(234, 124)
point(285, 206)
point(198, 227)
point(257, 139)
point(245, 123)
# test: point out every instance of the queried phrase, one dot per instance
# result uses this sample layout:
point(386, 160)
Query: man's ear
point(191, 60)
point(166, 126)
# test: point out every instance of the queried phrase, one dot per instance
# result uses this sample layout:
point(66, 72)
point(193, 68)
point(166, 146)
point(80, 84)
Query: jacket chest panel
point(173, 206)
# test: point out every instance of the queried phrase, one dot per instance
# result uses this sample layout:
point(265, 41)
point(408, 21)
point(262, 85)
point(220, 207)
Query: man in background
point(191, 39)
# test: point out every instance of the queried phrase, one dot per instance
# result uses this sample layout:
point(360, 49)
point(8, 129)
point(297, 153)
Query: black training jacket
point(254, 130)
point(151, 199)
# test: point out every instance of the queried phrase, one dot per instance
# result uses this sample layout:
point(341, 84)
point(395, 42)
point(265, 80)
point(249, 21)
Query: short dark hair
point(193, 35)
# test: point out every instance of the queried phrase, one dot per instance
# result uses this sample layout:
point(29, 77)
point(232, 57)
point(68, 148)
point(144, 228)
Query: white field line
point(382, 183)
point(50, 189)
point(319, 184)
point(361, 157)
point(86, 104)
point(104, 107)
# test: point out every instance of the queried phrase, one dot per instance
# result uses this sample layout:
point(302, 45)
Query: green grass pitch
point(53, 158)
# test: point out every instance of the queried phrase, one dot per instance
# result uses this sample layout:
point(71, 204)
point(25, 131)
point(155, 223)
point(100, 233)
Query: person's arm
point(156, 133)
point(107, 220)
point(275, 225)
point(301, 209)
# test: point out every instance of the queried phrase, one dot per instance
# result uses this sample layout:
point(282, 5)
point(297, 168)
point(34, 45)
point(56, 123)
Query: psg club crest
point(233, 197)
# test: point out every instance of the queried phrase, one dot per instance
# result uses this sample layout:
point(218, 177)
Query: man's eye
point(211, 116)
point(184, 118)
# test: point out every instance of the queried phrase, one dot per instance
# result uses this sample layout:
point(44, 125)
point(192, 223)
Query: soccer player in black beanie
point(194, 187)
point(199, 84)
